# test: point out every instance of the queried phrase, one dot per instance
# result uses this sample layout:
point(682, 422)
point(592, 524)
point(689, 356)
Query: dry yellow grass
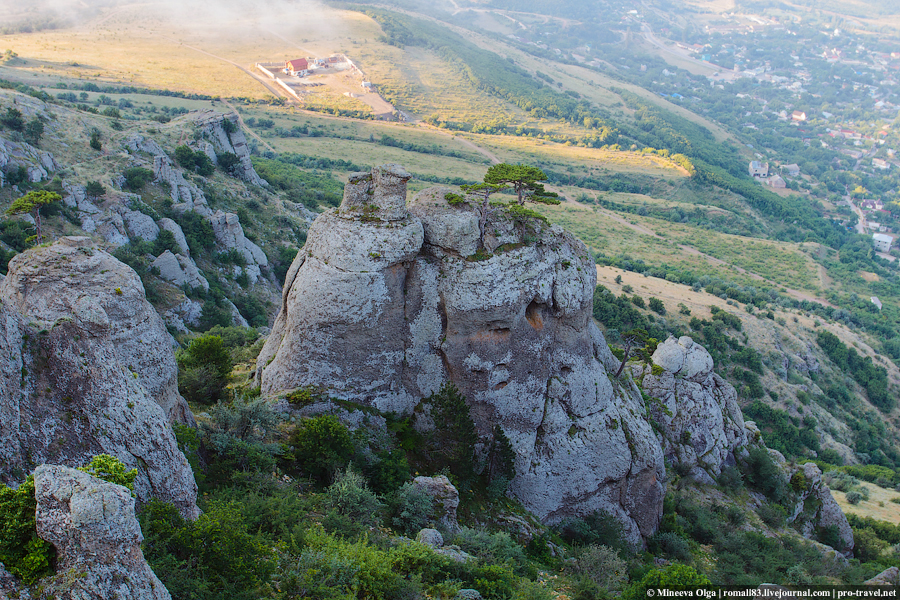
point(872, 507)
point(187, 52)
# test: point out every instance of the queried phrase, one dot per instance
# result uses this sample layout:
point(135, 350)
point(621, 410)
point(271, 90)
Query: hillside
point(180, 158)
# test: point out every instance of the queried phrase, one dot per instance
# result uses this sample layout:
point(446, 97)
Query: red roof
point(298, 64)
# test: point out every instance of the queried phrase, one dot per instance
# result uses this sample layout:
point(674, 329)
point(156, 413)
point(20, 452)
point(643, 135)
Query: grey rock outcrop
point(445, 497)
point(230, 236)
point(816, 508)
point(140, 225)
point(88, 368)
point(179, 270)
point(212, 126)
point(174, 228)
point(37, 163)
point(382, 306)
point(890, 576)
point(700, 421)
point(92, 525)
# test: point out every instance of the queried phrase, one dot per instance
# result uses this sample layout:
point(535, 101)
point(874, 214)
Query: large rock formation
point(91, 524)
point(87, 368)
point(700, 423)
point(384, 304)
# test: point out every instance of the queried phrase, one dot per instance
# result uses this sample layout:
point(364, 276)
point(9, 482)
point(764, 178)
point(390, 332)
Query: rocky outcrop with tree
point(385, 304)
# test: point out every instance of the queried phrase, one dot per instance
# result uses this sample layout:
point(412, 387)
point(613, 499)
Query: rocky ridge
point(88, 368)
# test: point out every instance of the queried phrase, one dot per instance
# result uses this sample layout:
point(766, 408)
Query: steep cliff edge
point(87, 369)
point(385, 304)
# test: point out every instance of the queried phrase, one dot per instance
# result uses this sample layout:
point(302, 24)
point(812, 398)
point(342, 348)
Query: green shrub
point(495, 582)
point(761, 473)
point(109, 468)
point(204, 366)
point(867, 545)
point(597, 528)
point(671, 545)
point(322, 445)
point(352, 506)
point(657, 306)
point(854, 497)
point(24, 554)
point(236, 435)
point(452, 441)
point(213, 557)
point(493, 548)
point(197, 231)
point(197, 161)
point(94, 189)
point(165, 241)
point(603, 566)
point(137, 177)
point(412, 509)
point(772, 515)
point(229, 163)
point(673, 576)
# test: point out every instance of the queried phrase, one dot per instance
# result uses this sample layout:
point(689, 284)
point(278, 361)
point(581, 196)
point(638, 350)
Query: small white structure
point(876, 302)
point(758, 169)
point(882, 242)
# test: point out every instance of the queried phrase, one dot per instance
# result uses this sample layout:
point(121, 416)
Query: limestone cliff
point(88, 368)
point(385, 303)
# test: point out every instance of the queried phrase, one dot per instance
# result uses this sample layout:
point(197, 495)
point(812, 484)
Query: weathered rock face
point(92, 525)
point(180, 270)
point(700, 421)
point(816, 508)
point(383, 306)
point(87, 369)
point(14, 155)
point(215, 128)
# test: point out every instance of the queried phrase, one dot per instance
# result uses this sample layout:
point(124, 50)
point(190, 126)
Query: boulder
point(179, 270)
point(890, 576)
point(140, 225)
point(430, 537)
point(700, 423)
point(230, 236)
point(455, 231)
point(93, 527)
point(88, 368)
point(383, 307)
point(445, 497)
point(685, 359)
